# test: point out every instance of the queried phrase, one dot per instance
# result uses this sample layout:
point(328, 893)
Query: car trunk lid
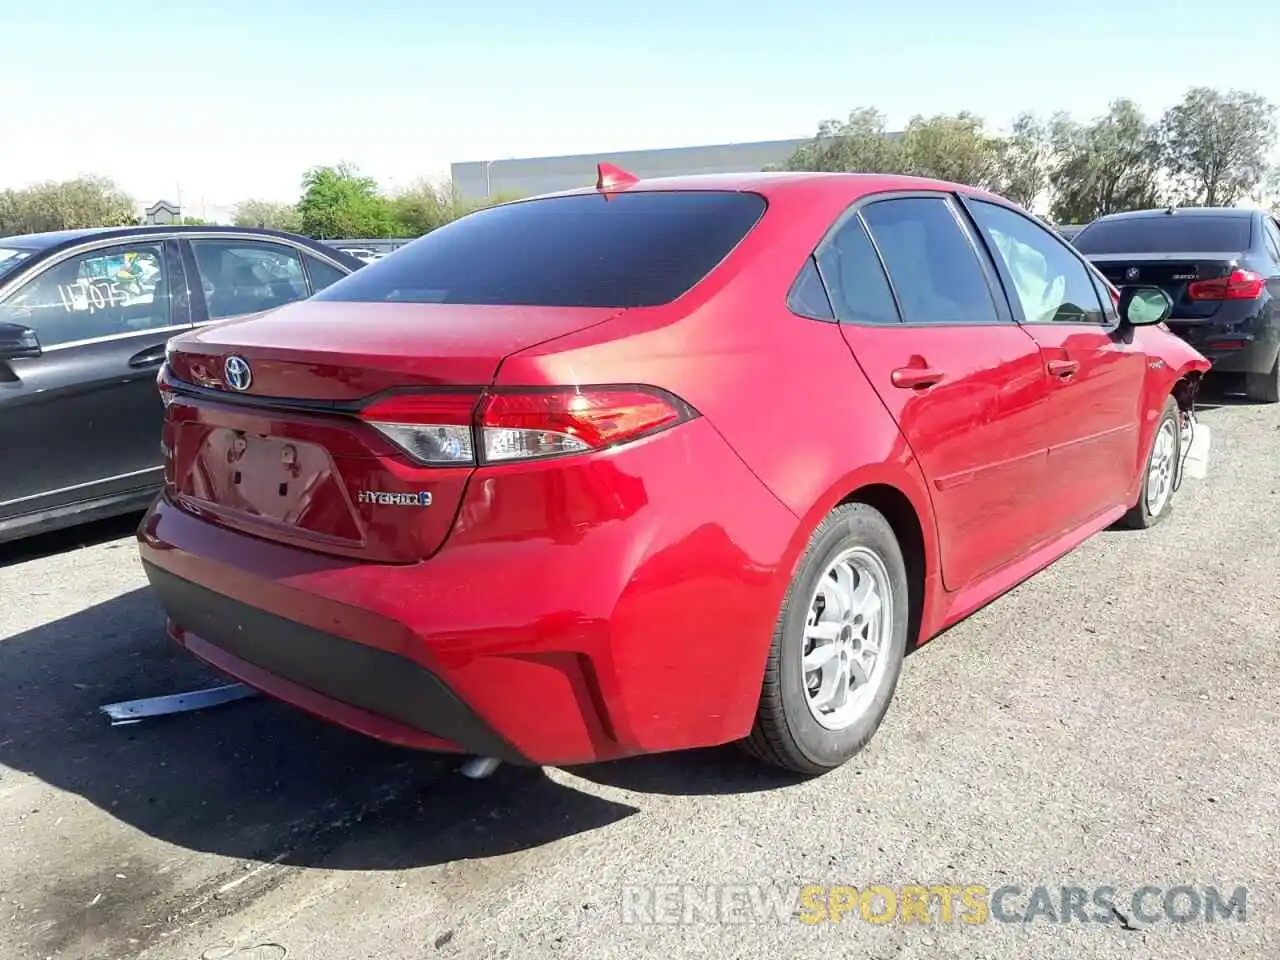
point(283, 452)
point(1174, 273)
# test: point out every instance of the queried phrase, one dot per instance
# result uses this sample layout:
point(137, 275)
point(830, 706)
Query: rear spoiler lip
point(1217, 256)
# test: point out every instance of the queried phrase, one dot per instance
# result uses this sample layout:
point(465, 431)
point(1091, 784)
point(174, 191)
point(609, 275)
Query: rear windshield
point(622, 250)
point(1165, 234)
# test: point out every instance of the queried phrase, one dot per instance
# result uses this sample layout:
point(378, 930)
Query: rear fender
point(868, 483)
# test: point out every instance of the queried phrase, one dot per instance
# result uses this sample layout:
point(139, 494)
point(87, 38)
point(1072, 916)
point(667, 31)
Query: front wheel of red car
point(1155, 501)
point(837, 647)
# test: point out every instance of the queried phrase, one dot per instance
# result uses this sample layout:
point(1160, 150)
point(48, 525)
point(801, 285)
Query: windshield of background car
point(634, 249)
point(1168, 233)
point(11, 258)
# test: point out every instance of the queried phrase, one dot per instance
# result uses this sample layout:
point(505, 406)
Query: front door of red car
point(1096, 372)
point(966, 385)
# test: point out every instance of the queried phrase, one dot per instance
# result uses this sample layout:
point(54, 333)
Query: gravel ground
point(1112, 722)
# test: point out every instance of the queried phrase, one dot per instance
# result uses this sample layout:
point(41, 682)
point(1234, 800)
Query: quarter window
point(322, 274)
point(245, 276)
point(851, 269)
point(934, 268)
point(105, 292)
point(808, 297)
point(1051, 283)
point(1272, 233)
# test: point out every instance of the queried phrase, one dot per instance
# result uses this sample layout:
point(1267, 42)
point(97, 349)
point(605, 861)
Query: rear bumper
point(1257, 354)
point(377, 692)
point(579, 612)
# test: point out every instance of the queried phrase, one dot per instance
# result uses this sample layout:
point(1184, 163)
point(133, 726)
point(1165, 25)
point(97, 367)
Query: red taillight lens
point(433, 428)
point(1241, 285)
point(441, 429)
point(523, 426)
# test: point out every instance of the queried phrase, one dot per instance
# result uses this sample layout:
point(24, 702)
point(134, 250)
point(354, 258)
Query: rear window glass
point(1165, 234)
point(621, 250)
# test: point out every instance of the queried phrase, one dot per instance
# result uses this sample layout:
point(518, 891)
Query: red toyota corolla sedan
point(656, 465)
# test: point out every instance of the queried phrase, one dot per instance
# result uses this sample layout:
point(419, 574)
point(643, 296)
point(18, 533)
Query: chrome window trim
point(88, 246)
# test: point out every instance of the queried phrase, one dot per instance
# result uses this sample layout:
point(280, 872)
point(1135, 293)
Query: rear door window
point(248, 276)
point(1165, 233)
point(632, 249)
point(934, 269)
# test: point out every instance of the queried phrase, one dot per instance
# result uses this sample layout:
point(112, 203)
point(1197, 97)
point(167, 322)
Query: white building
point(162, 212)
point(484, 179)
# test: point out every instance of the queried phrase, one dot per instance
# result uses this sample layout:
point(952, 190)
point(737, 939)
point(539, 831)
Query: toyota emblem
point(1131, 273)
point(238, 374)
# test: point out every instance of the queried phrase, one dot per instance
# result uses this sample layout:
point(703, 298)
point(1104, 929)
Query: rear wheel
point(1265, 387)
point(1155, 501)
point(837, 647)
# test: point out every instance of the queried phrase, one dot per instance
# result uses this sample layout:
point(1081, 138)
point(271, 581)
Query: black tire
point(786, 733)
point(1264, 387)
point(1140, 516)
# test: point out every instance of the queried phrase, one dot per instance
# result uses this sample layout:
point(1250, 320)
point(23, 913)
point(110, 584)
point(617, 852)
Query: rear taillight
point(1240, 285)
point(433, 428)
point(442, 429)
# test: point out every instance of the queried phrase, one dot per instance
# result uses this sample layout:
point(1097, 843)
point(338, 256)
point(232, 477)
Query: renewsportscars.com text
point(931, 904)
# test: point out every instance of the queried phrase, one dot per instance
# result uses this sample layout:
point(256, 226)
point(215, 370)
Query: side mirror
point(1144, 306)
point(18, 342)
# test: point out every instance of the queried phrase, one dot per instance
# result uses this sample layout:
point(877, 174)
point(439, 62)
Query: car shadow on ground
point(254, 780)
point(1216, 394)
point(713, 771)
point(70, 538)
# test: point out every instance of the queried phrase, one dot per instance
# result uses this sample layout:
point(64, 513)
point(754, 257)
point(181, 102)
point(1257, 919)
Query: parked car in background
point(363, 254)
point(655, 465)
point(1069, 231)
point(84, 319)
point(1221, 266)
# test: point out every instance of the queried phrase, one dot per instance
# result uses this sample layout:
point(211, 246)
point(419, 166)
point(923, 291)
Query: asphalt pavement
point(1112, 723)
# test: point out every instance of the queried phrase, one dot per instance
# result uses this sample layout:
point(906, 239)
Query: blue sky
point(227, 99)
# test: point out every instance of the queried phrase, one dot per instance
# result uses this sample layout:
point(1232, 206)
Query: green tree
point(66, 205)
point(268, 214)
point(956, 148)
point(424, 206)
point(859, 144)
point(1023, 165)
point(1269, 192)
point(1216, 144)
point(1106, 166)
point(338, 202)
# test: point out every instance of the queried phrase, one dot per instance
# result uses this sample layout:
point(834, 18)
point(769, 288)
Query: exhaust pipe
point(478, 768)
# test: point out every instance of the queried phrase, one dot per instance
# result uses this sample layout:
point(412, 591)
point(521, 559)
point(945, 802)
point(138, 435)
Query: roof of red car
point(773, 183)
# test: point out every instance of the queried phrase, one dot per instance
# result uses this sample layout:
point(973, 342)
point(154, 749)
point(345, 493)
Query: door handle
point(148, 358)
point(1063, 368)
point(911, 378)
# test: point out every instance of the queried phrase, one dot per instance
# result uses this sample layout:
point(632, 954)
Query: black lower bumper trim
point(371, 679)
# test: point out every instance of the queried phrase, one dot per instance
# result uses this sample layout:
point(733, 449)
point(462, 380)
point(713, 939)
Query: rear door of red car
point(1096, 370)
point(924, 315)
